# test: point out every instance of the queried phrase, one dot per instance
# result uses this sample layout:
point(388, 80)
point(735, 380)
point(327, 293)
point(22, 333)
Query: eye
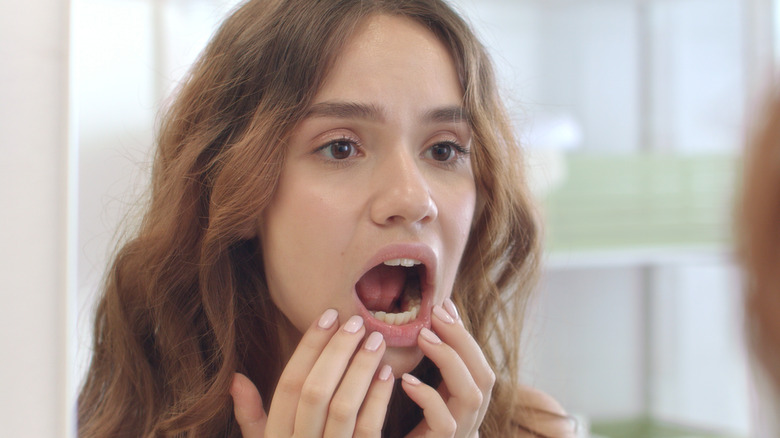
point(339, 149)
point(442, 151)
point(446, 151)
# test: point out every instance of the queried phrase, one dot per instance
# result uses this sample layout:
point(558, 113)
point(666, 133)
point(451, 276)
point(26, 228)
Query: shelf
point(648, 428)
point(641, 206)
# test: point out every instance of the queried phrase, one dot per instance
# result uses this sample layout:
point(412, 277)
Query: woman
point(336, 203)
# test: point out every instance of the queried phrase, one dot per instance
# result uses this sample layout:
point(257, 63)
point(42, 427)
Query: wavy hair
point(185, 303)
point(759, 241)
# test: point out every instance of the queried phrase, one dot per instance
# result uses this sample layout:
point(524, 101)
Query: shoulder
point(540, 415)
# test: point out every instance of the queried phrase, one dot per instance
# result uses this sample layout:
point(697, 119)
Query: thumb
point(248, 407)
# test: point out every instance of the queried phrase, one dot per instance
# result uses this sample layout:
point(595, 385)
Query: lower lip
point(398, 335)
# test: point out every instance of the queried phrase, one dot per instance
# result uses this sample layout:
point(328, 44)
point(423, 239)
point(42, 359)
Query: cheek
point(460, 211)
point(457, 216)
point(303, 235)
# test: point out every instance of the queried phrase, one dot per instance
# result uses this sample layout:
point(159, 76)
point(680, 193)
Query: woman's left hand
point(458, 406)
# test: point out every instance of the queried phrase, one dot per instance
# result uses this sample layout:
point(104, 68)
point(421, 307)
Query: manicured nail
point(430, 336)
point(410, 379)
point(353, 324)
point(328, 318)
point(443, 315)
point(374, 341)
point(451, 309)
point(385, 372)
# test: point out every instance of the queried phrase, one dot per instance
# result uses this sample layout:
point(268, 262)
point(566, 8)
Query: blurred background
point(634, 115)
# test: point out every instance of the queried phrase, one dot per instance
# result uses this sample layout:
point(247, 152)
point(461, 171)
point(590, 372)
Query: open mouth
point(392, 291)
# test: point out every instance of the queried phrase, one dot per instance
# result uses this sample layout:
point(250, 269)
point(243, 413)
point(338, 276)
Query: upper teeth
point(403, 262)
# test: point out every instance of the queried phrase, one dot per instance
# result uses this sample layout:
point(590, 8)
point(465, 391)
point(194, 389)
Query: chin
point(402, 359)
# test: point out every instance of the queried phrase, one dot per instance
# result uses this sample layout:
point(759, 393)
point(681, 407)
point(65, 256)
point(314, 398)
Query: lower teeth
point(399, 318)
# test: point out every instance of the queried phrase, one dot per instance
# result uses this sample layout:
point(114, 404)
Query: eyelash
point(460, 151)
point(334, 161)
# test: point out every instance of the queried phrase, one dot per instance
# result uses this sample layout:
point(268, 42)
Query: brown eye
point(442, 152)
point(340, 150)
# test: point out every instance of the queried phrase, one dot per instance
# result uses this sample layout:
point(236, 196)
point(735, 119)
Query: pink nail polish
point(385, 372)
point(327, 319)
point(451, 309)
point(443, 315)
point(430, 336)
point(374, 341)
point(353, 324)
point(410, 379)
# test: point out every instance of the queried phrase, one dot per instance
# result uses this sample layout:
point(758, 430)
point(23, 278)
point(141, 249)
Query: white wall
point(586, 340)
point(699, 370)
point(34, 157)
point(128, 55)
point(660, 337)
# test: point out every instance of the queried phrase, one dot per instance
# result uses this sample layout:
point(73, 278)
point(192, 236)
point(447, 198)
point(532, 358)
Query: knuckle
point(314, 395)
point(310, 343)
point(289, 386)
point(341, 411)
point(487, 381)
point(449, 426)
point(473, 398)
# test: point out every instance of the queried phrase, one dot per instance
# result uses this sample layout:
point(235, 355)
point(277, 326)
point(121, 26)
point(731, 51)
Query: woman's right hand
point(323, 391)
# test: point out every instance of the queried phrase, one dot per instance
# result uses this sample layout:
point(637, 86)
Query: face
point(377, 194)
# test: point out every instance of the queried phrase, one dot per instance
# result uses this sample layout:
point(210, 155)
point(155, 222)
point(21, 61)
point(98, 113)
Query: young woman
point(337, 203)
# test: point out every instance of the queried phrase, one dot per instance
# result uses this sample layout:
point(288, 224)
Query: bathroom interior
point(633, 115)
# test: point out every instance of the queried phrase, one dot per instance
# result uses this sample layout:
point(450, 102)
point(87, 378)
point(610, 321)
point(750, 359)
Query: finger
point(325, 375)
point(371, 417)
point(247, 407)
point(455, 335)
point(344, 407)
point(288, 390)
point(466, 397)
point(438, 420)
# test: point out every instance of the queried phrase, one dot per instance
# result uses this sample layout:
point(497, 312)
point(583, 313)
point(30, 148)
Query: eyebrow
point(353, 110)
point(344, 110)
point(448, 114)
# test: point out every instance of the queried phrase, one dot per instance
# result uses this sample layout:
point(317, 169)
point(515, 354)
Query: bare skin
point(320, 393)
point(391, 179)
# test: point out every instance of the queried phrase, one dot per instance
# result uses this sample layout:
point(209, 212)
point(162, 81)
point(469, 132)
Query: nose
point(402, 193)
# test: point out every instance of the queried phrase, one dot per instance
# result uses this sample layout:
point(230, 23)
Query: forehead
point(387, 52)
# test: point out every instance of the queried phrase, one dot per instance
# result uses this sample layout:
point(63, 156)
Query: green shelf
point(647, 428)
point(641, 200)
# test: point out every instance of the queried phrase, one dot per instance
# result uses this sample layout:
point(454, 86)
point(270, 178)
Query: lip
point(402, 335)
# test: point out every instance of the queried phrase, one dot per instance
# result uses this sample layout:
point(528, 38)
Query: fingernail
point(410, 379)
point(451, 309)
point(328, 318)
point(443, 315)
point(430, 336)
point(374, 341)
point(353, 324)
point(385, 372)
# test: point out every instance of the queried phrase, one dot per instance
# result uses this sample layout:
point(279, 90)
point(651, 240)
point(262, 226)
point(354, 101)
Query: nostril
point(421, 215)
point(408, 208)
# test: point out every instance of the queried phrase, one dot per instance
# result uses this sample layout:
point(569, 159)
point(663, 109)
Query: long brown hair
point(759, 241)
point(185, 304)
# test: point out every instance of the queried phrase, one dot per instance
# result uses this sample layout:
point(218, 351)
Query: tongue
point(380, 287)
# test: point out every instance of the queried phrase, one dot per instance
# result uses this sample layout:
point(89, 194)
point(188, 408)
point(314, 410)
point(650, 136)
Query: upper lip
point(412, 250)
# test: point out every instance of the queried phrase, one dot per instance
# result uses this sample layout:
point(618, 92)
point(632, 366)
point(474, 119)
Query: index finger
point(451, 330)
point(454, 334)
point(285, 400)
